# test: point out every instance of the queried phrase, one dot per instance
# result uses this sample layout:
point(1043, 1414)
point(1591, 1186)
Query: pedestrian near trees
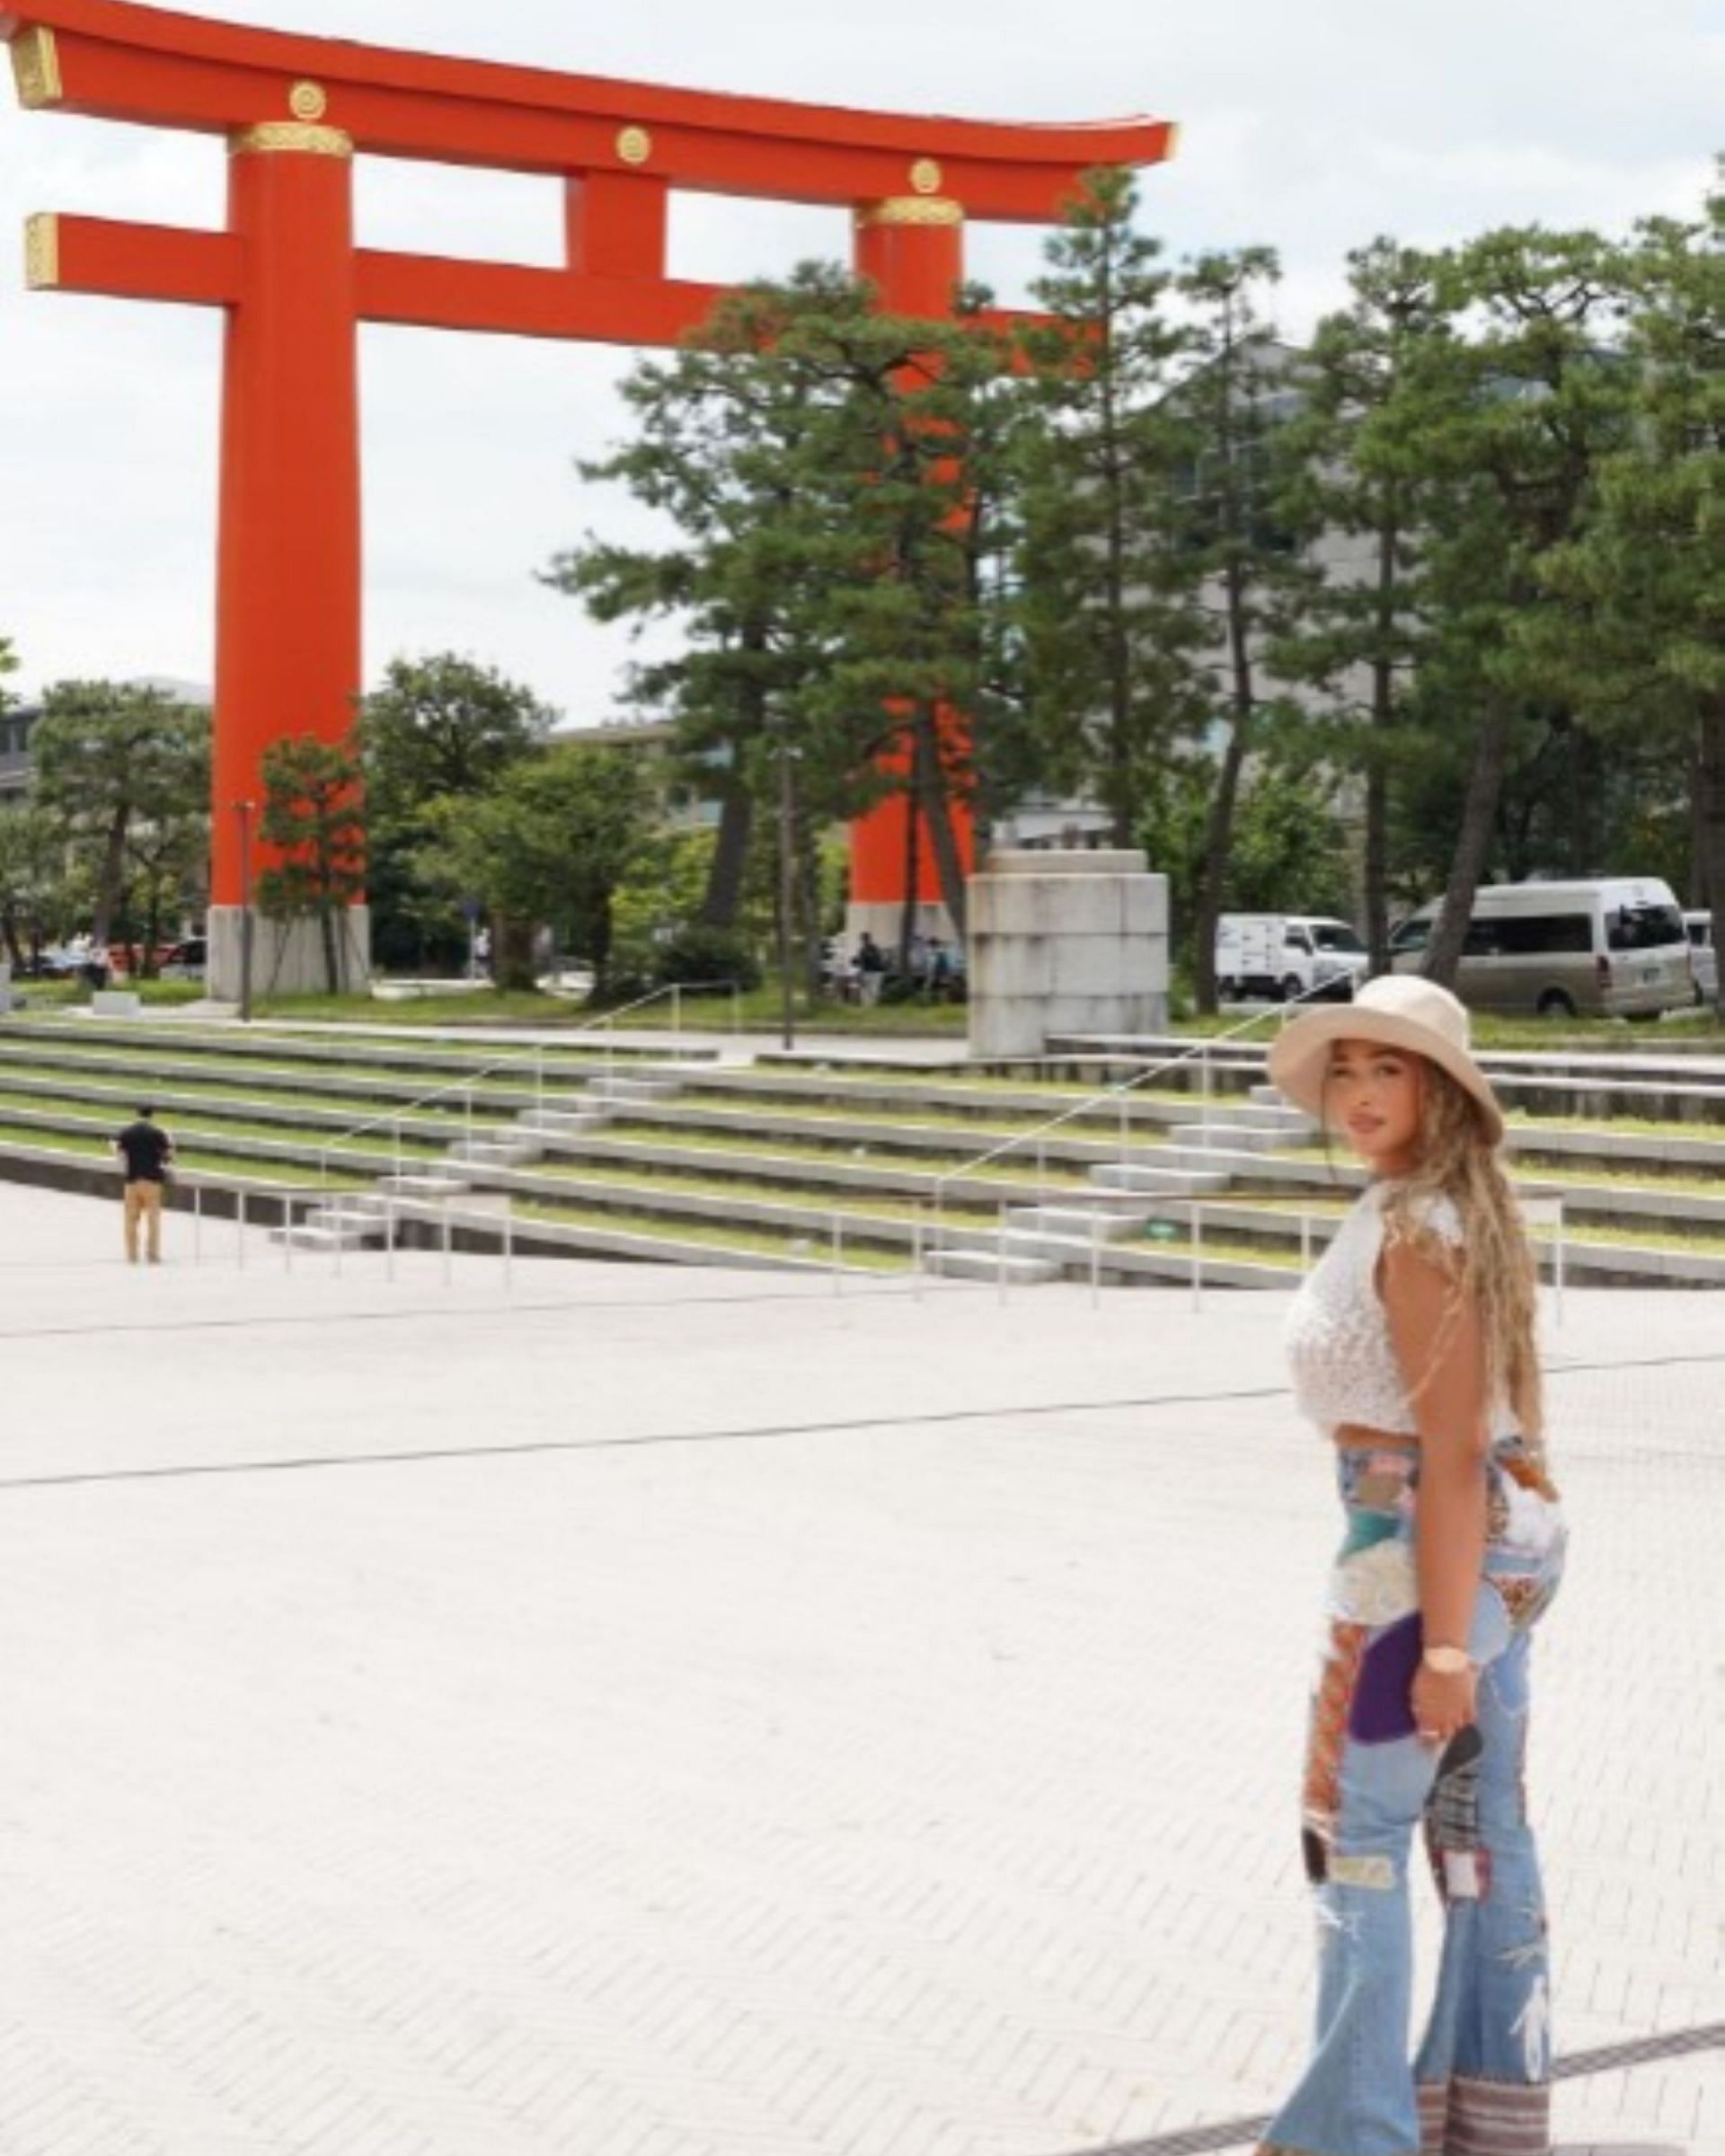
point(146, 1152)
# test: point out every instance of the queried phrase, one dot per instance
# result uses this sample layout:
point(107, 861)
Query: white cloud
point(1311, 129)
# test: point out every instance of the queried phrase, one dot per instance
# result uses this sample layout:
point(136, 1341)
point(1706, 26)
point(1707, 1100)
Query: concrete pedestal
point(1066, 943)
point(287, 955)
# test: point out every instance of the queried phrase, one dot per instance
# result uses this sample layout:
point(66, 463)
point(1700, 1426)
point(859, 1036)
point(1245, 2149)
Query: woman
point(1412, 1347)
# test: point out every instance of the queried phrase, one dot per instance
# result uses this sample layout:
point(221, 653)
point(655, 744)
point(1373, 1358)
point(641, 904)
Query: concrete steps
point(625, 1091)
point(774, 1160)
point(1072, 1224)
point(356, 1223)
point(1236, 1136)
point(542, 1124)
point(1018, 1271)
point(495, 1152)
point(1130, 1180)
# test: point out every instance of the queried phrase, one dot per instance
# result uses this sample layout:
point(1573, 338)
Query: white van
point(1610, 945)
point(1703, 956)
point(1285, 956)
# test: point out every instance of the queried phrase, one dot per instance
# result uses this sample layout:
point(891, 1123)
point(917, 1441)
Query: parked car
point(1611, 946)
point(1286, 955)
point(184, 961)
point(50, 964)
point(1703, 956)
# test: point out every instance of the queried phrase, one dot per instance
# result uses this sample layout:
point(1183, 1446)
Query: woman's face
point(1372, 1095)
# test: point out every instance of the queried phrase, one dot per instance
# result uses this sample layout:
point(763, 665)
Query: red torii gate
point(294, 112)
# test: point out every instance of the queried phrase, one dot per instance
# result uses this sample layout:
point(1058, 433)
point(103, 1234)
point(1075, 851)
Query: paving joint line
point(847, 1426)
point(1604, 2058)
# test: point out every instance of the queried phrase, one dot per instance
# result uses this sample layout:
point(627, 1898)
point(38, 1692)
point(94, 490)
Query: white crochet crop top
point(1340, 1356)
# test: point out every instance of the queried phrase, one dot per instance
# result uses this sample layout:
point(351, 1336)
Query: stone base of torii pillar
point(287, 955)
point(1065, 942)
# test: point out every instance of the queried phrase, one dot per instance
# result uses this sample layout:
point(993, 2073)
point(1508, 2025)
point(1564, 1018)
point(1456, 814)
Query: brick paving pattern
point(695, 1715)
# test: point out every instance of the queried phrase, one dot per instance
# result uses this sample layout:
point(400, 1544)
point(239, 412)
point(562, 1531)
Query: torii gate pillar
point(289, 520)
point(293, 111)
point(911, 249)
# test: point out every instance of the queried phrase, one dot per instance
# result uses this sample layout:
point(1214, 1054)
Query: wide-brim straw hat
point(1402, 1010)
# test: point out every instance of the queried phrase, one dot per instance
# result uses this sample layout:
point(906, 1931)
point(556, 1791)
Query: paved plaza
point(658, 1712)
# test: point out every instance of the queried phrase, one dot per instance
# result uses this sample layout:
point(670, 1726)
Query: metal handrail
point(394, 1117)
point(1038, 1133)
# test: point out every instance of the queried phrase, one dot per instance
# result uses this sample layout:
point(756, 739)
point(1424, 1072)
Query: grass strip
point(188, 1130)
point(214, 1164)
point(776, 1145)
point(757, 1242)
point(819, 1206)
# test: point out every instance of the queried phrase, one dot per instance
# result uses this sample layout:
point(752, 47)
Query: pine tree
point(1359, 486)
point(1514, 418)
point(109, 756)
point(1238, 536)
point(314, 817)
point(1108, 606)
point(1648, 575)
point(821, 460)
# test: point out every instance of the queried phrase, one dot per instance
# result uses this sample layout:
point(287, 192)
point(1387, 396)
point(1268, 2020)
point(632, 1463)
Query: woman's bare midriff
point(1361, 1436)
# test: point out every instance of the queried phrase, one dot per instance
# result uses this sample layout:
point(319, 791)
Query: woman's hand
point(1442, 1704)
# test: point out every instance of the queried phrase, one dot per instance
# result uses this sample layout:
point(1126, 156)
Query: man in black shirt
point(146, 1151)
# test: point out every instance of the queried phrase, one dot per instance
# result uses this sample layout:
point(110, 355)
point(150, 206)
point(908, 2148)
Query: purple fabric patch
point(1383, 1708)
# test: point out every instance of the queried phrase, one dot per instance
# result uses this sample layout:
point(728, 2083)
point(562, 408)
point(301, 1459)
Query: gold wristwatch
point(1446, 1661)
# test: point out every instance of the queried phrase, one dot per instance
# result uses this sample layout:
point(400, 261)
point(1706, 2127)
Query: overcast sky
point(1309, 128)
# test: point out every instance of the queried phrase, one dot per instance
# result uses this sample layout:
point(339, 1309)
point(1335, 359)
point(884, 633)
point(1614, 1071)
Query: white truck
point(1287, 956)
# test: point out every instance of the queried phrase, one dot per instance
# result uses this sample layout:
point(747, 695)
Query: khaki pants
point(144, 1201)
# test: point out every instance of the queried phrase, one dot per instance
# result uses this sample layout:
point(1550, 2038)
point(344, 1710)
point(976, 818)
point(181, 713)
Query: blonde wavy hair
point(1457, 1161)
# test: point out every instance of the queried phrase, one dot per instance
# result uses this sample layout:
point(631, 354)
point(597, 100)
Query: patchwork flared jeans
point(1479, 2084)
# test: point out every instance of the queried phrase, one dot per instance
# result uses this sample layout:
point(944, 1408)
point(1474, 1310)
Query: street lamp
point(244, 810)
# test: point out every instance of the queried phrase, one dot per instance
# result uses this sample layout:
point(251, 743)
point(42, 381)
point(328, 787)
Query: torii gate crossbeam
point(294, 112)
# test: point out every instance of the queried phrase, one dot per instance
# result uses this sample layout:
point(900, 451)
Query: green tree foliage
point(1514, 417)
point(33, 879)
point(1646, 577)
point(109, 760)
point(8, 665)
point(1362, 491)
point(1238, 501)
point(828, 468)
point(1108, 587)
point(442, 726)
point(1290, 852)
point(551, 842)
point(314, 819)
point(167, 863)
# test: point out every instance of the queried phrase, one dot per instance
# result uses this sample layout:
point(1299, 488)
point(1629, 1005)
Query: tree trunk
point(9, 929)
point(913, 871)
point(326, 931)
point(602, 936)
point(1710, 765)
point(814, 942)
point(1218, 835)
point(114, 872)
point(151, 927)
point(1378, 864)
point(1478, 814)
point(512, 952)
point(930, 796)
point(1218, 847)
point(730, 856)
point(1377, 775)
